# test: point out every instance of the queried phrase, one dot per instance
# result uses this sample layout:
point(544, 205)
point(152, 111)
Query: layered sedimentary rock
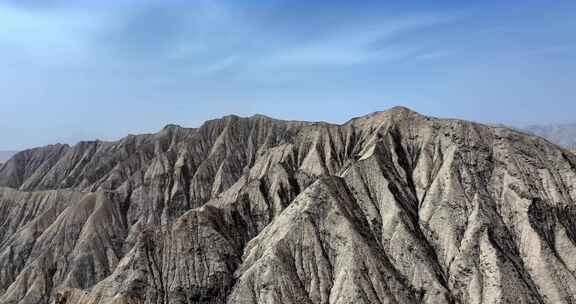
point(392, 207)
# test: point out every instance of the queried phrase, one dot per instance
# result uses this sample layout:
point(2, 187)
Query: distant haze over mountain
point(560, 134)
point(5, 155)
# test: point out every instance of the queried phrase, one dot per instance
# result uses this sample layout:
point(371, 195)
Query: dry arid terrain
point(392, 207)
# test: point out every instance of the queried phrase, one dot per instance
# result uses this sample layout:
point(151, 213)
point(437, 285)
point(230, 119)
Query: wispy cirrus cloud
point(204, 35)
point(353, 44)
point(553, 49)
point(434, 54)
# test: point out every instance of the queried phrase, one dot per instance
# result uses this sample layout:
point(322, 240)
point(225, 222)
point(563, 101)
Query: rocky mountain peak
point(171, 127)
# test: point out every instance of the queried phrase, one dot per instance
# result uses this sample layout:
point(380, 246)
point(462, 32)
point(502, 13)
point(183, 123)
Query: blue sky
point(73, 70)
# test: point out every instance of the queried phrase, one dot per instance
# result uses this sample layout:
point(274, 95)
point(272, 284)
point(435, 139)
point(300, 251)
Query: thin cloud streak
point(358, 45)
point(436, 54)
point(206, 36)
point(553, 49)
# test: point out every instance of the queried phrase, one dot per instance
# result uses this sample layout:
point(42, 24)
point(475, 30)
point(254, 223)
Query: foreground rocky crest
point(393, 207)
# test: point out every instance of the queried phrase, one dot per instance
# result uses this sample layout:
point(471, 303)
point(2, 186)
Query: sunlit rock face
point(392, 207)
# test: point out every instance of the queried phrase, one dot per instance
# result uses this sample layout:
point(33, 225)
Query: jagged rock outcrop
point(392, 207)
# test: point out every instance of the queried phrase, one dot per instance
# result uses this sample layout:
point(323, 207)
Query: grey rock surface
point(392, 207)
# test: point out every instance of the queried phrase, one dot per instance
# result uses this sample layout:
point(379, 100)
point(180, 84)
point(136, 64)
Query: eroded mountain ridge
point(392, 207)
